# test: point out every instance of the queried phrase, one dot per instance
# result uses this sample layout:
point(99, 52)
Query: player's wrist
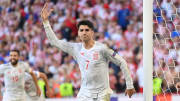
point(44, 20)
point(130, 87)
point(46, 23)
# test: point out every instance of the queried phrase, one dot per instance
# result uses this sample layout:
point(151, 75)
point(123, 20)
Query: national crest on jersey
point(90, 55)
point(96, 55)
point(20, 71)
point(82, 53)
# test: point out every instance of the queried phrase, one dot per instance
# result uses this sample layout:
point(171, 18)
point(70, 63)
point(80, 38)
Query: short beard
point(14, 63)
point(86, 41)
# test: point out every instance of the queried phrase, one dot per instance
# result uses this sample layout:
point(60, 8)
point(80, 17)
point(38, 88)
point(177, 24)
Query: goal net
point(166, 49)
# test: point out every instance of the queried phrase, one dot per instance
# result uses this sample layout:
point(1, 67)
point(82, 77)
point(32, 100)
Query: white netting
point(166, 36)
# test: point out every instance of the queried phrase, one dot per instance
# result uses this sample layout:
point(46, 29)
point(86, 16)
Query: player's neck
point(89, 44)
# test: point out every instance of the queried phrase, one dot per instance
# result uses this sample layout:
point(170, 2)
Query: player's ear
point(92, 31)
point(92, 34)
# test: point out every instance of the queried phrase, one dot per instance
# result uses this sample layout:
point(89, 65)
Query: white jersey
point(93, 64)
point(14, 81)
point(30, 88)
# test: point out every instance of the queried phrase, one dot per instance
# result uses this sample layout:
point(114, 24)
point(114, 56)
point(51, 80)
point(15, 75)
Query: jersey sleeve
point(37, 74)
point(27, 67)
point(112, 56)
point(67, 47)
point(2, 69)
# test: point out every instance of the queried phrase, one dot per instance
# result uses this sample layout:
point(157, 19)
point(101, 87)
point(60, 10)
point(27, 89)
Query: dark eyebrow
point(84, 29)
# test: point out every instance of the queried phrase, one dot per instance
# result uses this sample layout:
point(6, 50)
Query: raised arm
point(118, 60)
point(60, 44)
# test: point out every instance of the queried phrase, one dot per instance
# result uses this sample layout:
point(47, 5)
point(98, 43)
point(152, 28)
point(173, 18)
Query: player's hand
point(45, 13)
point(49, 93)
point(38, 92)
point(130, 92)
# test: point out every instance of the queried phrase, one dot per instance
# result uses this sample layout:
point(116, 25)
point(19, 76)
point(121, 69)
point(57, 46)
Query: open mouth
point(13, 60)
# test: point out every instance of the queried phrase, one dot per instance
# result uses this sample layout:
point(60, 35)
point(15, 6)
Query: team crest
point(95, 56)
point(82, 53)
point(20, 71)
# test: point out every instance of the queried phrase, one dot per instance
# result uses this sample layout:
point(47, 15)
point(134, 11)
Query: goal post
point(148, 49)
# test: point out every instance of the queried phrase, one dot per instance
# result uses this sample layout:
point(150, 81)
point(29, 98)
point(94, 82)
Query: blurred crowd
point(166, 46)
point(118, 23)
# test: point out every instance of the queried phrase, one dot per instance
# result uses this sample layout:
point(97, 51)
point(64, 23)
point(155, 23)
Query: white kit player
point(93, 59)
point(31, 90)
point(14, 73)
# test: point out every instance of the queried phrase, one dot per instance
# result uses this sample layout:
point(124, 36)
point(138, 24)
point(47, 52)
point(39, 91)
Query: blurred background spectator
point(166, 46)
